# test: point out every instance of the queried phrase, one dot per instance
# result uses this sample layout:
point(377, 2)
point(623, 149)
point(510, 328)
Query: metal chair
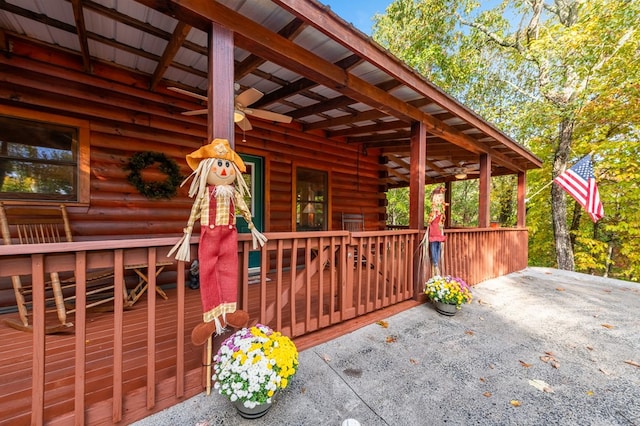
point(352, 222)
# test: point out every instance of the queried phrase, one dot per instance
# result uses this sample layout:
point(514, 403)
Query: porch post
point(416, 195)
point(522, 208)
point(447, 205)
point(220, 91)
point(484, 213)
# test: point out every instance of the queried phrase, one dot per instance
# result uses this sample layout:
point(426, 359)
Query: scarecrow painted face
point(221, 173)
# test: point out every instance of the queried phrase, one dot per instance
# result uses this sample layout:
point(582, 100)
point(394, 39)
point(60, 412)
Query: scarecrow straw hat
point(218, 148)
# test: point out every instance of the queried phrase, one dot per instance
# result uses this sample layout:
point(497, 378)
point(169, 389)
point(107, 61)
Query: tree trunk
point(564, 251)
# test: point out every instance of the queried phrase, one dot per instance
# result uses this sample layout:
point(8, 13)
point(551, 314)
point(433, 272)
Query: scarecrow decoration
point(435, 236)
point(215, 169)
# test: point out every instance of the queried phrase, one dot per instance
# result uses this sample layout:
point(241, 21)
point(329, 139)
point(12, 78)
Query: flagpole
point(526, 200)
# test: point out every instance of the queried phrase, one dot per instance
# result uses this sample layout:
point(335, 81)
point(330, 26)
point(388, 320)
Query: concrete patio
point(537, 347)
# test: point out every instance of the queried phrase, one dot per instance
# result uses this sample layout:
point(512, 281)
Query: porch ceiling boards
point(311, 65)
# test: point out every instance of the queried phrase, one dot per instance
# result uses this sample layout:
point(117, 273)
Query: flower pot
point(446, 309)
point(252, 413)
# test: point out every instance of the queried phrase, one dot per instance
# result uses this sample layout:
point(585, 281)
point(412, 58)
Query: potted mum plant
point(447, 293)
point(251, 366)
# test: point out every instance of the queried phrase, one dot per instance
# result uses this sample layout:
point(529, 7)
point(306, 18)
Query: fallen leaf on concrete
point(391, 339)
point(469, 332)
point(303, 390)
point(326, 357)
point(590, 348)
point(604, 372)
point(383, 324)
point(482, 379)
point(559, 289)
point(590, 393)
point(608, 326)
point(482, 302)
point(549, 358)
point(413, 361)
point(487, 394)
point(541, 385)
point(524, 364)
point(635, 364)
point(515, 402)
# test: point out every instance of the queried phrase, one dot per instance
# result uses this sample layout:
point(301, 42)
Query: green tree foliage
point(561, 78)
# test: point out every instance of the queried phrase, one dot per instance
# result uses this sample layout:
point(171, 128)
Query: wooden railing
point(306, 282)
point(313, 280)
point(480, 254)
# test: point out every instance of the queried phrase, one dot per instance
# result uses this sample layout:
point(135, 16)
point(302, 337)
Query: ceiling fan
point(241, 110)
point(461, 172)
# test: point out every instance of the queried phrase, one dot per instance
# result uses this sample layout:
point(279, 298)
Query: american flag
point(580, 183)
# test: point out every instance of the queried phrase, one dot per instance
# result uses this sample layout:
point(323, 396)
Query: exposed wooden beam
point(4, 44)
point(301, 84)
point(139, 25)
point(180, 33)
point(370, 115)
point(81, 30)
point(377, 127)
point(329, 24)
point(290, 31)
point(405, 134)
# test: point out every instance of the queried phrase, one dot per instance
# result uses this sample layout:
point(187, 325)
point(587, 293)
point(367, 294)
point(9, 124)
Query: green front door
point(254, 179)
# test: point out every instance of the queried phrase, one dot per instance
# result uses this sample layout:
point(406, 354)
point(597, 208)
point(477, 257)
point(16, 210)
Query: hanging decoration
point(154, 189)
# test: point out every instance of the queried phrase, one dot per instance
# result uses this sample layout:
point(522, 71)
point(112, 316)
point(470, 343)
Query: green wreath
point(154, 190)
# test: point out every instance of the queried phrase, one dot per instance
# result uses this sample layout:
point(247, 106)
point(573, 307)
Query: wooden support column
point(522, 207)
point(417, 175)
point(484, 202)
point(220, 90)
point(219, 125)
point(447, 207)
point(416, 196)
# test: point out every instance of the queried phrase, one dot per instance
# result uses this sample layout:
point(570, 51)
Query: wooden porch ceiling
point(310, 64)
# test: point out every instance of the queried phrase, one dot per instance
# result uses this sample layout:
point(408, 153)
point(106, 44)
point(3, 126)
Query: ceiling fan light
point(460, 175)
point(238, 115)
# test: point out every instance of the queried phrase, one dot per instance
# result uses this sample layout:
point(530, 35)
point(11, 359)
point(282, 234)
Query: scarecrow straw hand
point(258, 237)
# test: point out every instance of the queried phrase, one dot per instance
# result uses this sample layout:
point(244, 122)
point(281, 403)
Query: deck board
point(16, 359)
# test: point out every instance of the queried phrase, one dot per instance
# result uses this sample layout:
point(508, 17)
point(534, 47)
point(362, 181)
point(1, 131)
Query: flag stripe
point(579, 182)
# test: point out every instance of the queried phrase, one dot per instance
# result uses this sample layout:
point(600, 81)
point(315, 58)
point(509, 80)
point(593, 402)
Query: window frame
point(83, 170)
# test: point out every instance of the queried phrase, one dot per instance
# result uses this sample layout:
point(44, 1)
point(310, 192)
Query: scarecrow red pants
point(218, 258)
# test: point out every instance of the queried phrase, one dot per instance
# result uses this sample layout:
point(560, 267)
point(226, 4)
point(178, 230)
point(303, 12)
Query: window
point(311, 200)
point(44, 159)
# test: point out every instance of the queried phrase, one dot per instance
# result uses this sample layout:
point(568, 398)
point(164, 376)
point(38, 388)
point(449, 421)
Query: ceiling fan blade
point(244, 124)
point(268, 115)
point(195, 112)
point(248, 97)
point(188, 93)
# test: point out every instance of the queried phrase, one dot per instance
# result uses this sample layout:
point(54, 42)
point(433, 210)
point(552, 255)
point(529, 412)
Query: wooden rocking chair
point(26, 225)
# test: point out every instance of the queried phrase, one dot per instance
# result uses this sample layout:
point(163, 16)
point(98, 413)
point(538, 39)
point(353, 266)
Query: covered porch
point(124, 364)
point(340, 123)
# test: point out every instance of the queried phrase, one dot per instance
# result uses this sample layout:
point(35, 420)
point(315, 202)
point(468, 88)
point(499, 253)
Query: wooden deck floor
point(16, 359)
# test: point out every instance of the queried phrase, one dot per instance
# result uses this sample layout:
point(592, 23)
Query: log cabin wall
point(124, 118)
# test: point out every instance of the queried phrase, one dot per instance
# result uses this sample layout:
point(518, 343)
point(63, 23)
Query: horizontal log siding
point(125, 118)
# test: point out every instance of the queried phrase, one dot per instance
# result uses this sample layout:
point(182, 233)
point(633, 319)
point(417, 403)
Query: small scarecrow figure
point(436, 227)
point(215, 169)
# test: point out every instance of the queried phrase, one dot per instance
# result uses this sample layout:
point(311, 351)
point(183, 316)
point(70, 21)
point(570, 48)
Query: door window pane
point(311, 200)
